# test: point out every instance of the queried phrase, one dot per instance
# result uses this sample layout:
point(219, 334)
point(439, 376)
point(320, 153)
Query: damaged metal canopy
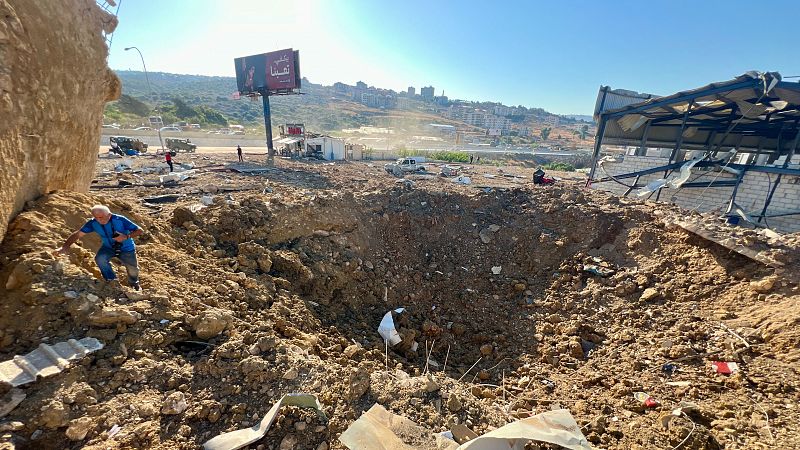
point(763, 105)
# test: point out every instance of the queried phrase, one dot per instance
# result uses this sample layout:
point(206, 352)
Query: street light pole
point(143, 66)
point(150, 88)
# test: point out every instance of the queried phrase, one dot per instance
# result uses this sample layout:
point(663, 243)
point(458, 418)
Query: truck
point(178, 144)
point(124, 145)
point(402, 166)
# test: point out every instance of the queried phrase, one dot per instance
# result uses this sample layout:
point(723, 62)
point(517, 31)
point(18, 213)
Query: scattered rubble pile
point(517, 301)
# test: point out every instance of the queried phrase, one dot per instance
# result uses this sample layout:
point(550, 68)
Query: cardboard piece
point(240, 438)
point(556, 427)
point(379, 429)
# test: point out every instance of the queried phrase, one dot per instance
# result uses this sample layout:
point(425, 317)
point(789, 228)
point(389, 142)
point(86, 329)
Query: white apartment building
point(495, 122)
point(474, 117)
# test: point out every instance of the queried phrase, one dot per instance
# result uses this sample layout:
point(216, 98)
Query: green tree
point(130, 105)
point(545, 133)
point(182, 110)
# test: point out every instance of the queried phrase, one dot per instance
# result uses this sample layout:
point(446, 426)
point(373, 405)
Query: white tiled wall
point(751, 195)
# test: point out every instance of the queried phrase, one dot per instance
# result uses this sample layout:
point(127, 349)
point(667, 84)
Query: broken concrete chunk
point(79, 428)
point(649, 294)
point(210, 324)
point(113, 316)
point(352, 350)
point(763, 285)
point(174, 404)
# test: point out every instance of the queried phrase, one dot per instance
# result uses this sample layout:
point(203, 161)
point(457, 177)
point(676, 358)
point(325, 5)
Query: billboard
point(295, 129)
point(268, 73)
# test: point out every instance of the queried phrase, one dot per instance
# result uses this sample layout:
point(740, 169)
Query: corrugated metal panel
point(617, 98)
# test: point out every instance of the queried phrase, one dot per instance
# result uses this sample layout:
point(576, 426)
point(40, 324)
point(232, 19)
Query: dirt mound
point(524, 299)
point(51, 97)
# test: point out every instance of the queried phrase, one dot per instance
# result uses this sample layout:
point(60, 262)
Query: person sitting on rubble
point(539, 178)
point(117, 233)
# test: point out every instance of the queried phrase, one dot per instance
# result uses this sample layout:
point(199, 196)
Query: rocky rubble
point(596, 302)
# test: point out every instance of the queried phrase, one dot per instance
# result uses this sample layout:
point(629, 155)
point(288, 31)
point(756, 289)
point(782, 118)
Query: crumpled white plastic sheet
point(387, 330)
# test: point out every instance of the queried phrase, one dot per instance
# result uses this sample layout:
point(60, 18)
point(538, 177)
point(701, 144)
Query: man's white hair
point(101, 208)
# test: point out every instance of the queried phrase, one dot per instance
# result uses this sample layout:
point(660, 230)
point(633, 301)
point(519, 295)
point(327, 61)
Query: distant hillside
point(581, 117)
point(314, 108)
point(209, 101)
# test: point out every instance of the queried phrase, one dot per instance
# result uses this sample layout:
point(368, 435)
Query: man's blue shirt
point(120, 224)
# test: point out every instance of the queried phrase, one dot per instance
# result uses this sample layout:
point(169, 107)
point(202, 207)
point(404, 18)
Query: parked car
point(176, 144)
point(124, 145)
point(142, 129)
point(112, 126)
point(175, 129)
point(405, 165)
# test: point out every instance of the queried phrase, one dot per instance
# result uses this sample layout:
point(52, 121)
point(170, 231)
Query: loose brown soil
point(279, 287)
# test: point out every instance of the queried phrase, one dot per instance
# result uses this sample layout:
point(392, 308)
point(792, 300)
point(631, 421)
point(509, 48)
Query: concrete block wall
point(751, 195)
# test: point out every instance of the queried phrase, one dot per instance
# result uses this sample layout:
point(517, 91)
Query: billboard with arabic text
point(268, 73)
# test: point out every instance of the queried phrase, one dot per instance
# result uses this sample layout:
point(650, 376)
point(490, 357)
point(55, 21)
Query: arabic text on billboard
point(268, 72)
point(295, 129)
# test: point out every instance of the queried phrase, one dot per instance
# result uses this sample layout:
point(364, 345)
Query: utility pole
point(150, 88)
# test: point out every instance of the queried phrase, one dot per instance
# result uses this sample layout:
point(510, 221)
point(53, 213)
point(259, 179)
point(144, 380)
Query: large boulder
point(54, 83)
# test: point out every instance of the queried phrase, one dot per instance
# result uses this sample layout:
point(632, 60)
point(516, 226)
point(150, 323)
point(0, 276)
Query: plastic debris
point(597, 270)
point(645, 399)
point(240, 438)
point(207, 200)
point(669, 369)
point(725, 368)
point(387, 330)
point(496, 270)
point(114, 431)
point(46, 360)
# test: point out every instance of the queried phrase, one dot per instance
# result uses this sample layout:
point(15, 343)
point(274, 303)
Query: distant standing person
point(471, 157)
point(117, 233)
point(168, 158)
point(239, 152)
point(478, 160)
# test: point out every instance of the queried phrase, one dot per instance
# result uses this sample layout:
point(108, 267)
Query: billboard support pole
point(268, 126)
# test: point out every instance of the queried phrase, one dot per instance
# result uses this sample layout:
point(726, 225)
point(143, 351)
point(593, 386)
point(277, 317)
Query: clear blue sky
point(553, 55)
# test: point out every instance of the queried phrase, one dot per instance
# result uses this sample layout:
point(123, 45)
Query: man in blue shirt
point(116, 232)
